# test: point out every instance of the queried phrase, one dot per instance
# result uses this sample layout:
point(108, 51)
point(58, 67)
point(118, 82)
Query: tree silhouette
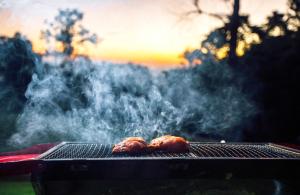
point(274, 63)
point(217, 43)
point(17, 63)
point(66, 29)
point(223, 39)
point(276, 21)
point(233, 29)
point(232, 23)
point(294, 14)
point(271, 65)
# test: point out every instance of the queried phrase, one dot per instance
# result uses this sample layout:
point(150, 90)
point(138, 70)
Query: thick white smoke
point(103, 102)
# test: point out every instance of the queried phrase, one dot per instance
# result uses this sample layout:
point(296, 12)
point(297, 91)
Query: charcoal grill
point(91, 168)
point(96, 161)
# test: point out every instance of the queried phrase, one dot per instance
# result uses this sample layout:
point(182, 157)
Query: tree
point(274, 64)
point(17, 63)
point(234, 25)
point(67, 31)
point(294, 14)
point(217, 42)
point(237, 35)
point(233, 22)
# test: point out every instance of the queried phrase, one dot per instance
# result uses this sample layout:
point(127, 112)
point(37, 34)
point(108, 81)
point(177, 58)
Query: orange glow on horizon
point(142, 57)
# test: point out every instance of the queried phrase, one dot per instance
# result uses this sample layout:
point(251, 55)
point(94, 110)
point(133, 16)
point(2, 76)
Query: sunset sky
point(151, 32)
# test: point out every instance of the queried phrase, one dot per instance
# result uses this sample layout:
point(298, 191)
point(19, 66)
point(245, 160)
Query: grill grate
point(197, 151)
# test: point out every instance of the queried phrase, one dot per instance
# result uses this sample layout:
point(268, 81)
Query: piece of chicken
point(169, 143)
point(131, 145)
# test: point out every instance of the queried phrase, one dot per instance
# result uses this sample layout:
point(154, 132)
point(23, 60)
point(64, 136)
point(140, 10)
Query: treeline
point(269, 59)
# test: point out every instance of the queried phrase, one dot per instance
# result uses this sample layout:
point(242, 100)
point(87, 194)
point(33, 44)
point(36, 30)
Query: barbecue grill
point(78, 162)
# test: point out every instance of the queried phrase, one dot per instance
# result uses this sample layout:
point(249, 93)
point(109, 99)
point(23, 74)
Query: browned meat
point(131, 145)
point(169, 143)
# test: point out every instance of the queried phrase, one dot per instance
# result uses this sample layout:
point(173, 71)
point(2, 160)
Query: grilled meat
point(131, 145)
point(169, 143)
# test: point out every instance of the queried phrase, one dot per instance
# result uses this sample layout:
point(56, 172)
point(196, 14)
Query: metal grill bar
point(197, 151)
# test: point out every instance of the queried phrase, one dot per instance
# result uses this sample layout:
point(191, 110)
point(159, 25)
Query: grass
point(16, 185)
point(16, 188)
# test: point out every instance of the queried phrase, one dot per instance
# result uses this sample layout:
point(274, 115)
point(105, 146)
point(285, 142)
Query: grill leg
point(278, 187)
point(37, 184)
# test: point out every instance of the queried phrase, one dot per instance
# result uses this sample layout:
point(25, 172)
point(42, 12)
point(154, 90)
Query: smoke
point(103, 102)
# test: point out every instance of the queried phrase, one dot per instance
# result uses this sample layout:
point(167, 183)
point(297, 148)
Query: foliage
point(67, 30)
point(271, 64)
point(17, 64)
point(294, 13)
point(277, 24)
point(231, 21)
point(275, 65)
